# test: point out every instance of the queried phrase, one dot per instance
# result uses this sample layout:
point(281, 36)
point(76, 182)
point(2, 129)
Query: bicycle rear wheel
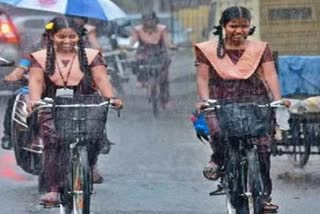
point(299, 144)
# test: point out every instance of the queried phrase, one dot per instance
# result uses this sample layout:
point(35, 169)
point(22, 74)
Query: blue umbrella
point(98, 9)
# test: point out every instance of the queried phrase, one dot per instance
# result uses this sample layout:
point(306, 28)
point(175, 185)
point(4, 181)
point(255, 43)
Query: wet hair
point(150, 15)
point(59, 23)
point(84, 19)
point(228, 14)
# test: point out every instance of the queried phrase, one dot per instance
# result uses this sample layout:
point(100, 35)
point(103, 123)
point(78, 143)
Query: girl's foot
point(270, 208)
point(50, 198)
point(210, 172)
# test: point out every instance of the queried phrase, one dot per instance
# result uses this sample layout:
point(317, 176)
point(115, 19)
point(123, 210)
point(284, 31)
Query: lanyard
point(65, 82)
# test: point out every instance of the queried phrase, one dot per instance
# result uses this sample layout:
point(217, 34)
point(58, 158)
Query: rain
point(155, 148)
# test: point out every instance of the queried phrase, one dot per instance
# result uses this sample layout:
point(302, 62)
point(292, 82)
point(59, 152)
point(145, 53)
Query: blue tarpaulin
point(299, 75)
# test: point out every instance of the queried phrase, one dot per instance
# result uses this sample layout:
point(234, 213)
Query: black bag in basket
point(84, 122)
point(244, 119)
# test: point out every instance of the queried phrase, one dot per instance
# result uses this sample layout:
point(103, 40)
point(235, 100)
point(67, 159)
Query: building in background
point(292, 27)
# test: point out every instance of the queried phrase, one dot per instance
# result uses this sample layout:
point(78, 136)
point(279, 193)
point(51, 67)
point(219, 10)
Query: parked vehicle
point(9, 37)
point(31, 27)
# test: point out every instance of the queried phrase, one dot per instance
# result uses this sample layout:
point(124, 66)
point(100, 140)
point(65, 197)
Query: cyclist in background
point(153, 42)
point(234, 67)
point(91, 34)
point(18, 74)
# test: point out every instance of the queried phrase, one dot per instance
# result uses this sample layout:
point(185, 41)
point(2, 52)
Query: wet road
point(155, 166)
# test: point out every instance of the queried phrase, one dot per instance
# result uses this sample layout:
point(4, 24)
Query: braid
point(252, 30)
point(50, 58)
point(220, 49)
point(83, 59)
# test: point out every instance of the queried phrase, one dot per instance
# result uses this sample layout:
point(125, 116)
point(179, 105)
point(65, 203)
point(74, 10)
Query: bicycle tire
point(82, 183)
point(24, 158)
point(298, 147)
point(155, 100)
point(232, 181)
point(254, 182)
point(15, 136)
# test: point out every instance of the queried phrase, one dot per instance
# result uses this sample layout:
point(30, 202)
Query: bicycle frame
point(152, 72)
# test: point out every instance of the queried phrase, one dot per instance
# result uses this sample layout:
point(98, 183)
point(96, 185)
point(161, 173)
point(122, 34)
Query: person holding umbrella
point(64, 66)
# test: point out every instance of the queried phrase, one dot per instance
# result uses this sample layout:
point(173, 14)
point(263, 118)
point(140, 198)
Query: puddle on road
point(8, 169)
point(300, 177)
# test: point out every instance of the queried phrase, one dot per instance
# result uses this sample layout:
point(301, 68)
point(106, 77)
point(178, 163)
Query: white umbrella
point(98, 9)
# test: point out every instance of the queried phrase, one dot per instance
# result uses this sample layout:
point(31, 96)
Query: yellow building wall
point(195, 19)
point(292, 36)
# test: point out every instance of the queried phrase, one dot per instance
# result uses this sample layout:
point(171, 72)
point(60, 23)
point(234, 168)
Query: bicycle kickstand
point(218, 191)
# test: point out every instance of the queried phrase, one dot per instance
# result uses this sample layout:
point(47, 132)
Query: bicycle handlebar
point(49, 103)
point(6, 63)
point(211, 105)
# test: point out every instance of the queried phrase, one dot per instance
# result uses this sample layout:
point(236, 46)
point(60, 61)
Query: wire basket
point(244, 119)
point(85, 123)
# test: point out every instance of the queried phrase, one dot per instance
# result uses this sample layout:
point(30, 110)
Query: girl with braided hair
point(65, 65)
point(234, 67)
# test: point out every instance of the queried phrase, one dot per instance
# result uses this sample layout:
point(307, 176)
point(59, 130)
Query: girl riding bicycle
point(234, 67)
point(65, 67)
point(153, 43)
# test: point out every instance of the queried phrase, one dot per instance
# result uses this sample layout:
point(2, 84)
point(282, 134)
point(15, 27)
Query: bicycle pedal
point(49, 205)
point(217, 192)
point(269, 212)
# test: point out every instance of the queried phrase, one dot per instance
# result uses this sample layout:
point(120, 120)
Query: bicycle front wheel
point(82, 181)
point(255, 186)
point(155, 100)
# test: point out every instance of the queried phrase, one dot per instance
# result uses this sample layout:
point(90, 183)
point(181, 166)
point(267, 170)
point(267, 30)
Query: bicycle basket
point(244, 119)
point(87, 123)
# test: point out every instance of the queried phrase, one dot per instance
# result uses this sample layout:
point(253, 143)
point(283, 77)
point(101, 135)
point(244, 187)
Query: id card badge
point(65, 92)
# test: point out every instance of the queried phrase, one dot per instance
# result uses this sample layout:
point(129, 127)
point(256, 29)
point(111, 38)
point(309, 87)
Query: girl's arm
point(36, 82)
point(100, 78)
point(270, 76)
point(168, 42)
point(134, 37)
point(202, 77)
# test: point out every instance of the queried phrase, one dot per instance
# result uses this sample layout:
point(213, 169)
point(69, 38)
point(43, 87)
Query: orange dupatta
point(225, 68)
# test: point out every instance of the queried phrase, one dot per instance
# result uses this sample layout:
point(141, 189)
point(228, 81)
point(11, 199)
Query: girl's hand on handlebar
point(286, 103)
point(200, 105)
point(117, 103)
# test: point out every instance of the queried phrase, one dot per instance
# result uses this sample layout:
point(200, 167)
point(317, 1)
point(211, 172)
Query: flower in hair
point(49, 26)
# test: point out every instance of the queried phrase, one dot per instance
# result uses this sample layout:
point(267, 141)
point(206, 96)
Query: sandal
point(6, 142)
point(50, 198)
point(210, 172)
point(270, 208)
point(96, 177)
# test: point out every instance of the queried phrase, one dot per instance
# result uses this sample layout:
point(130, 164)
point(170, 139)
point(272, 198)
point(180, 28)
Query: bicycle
point(80, 120)
point(153, 76)
point(152, 72)
point(241, 179)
